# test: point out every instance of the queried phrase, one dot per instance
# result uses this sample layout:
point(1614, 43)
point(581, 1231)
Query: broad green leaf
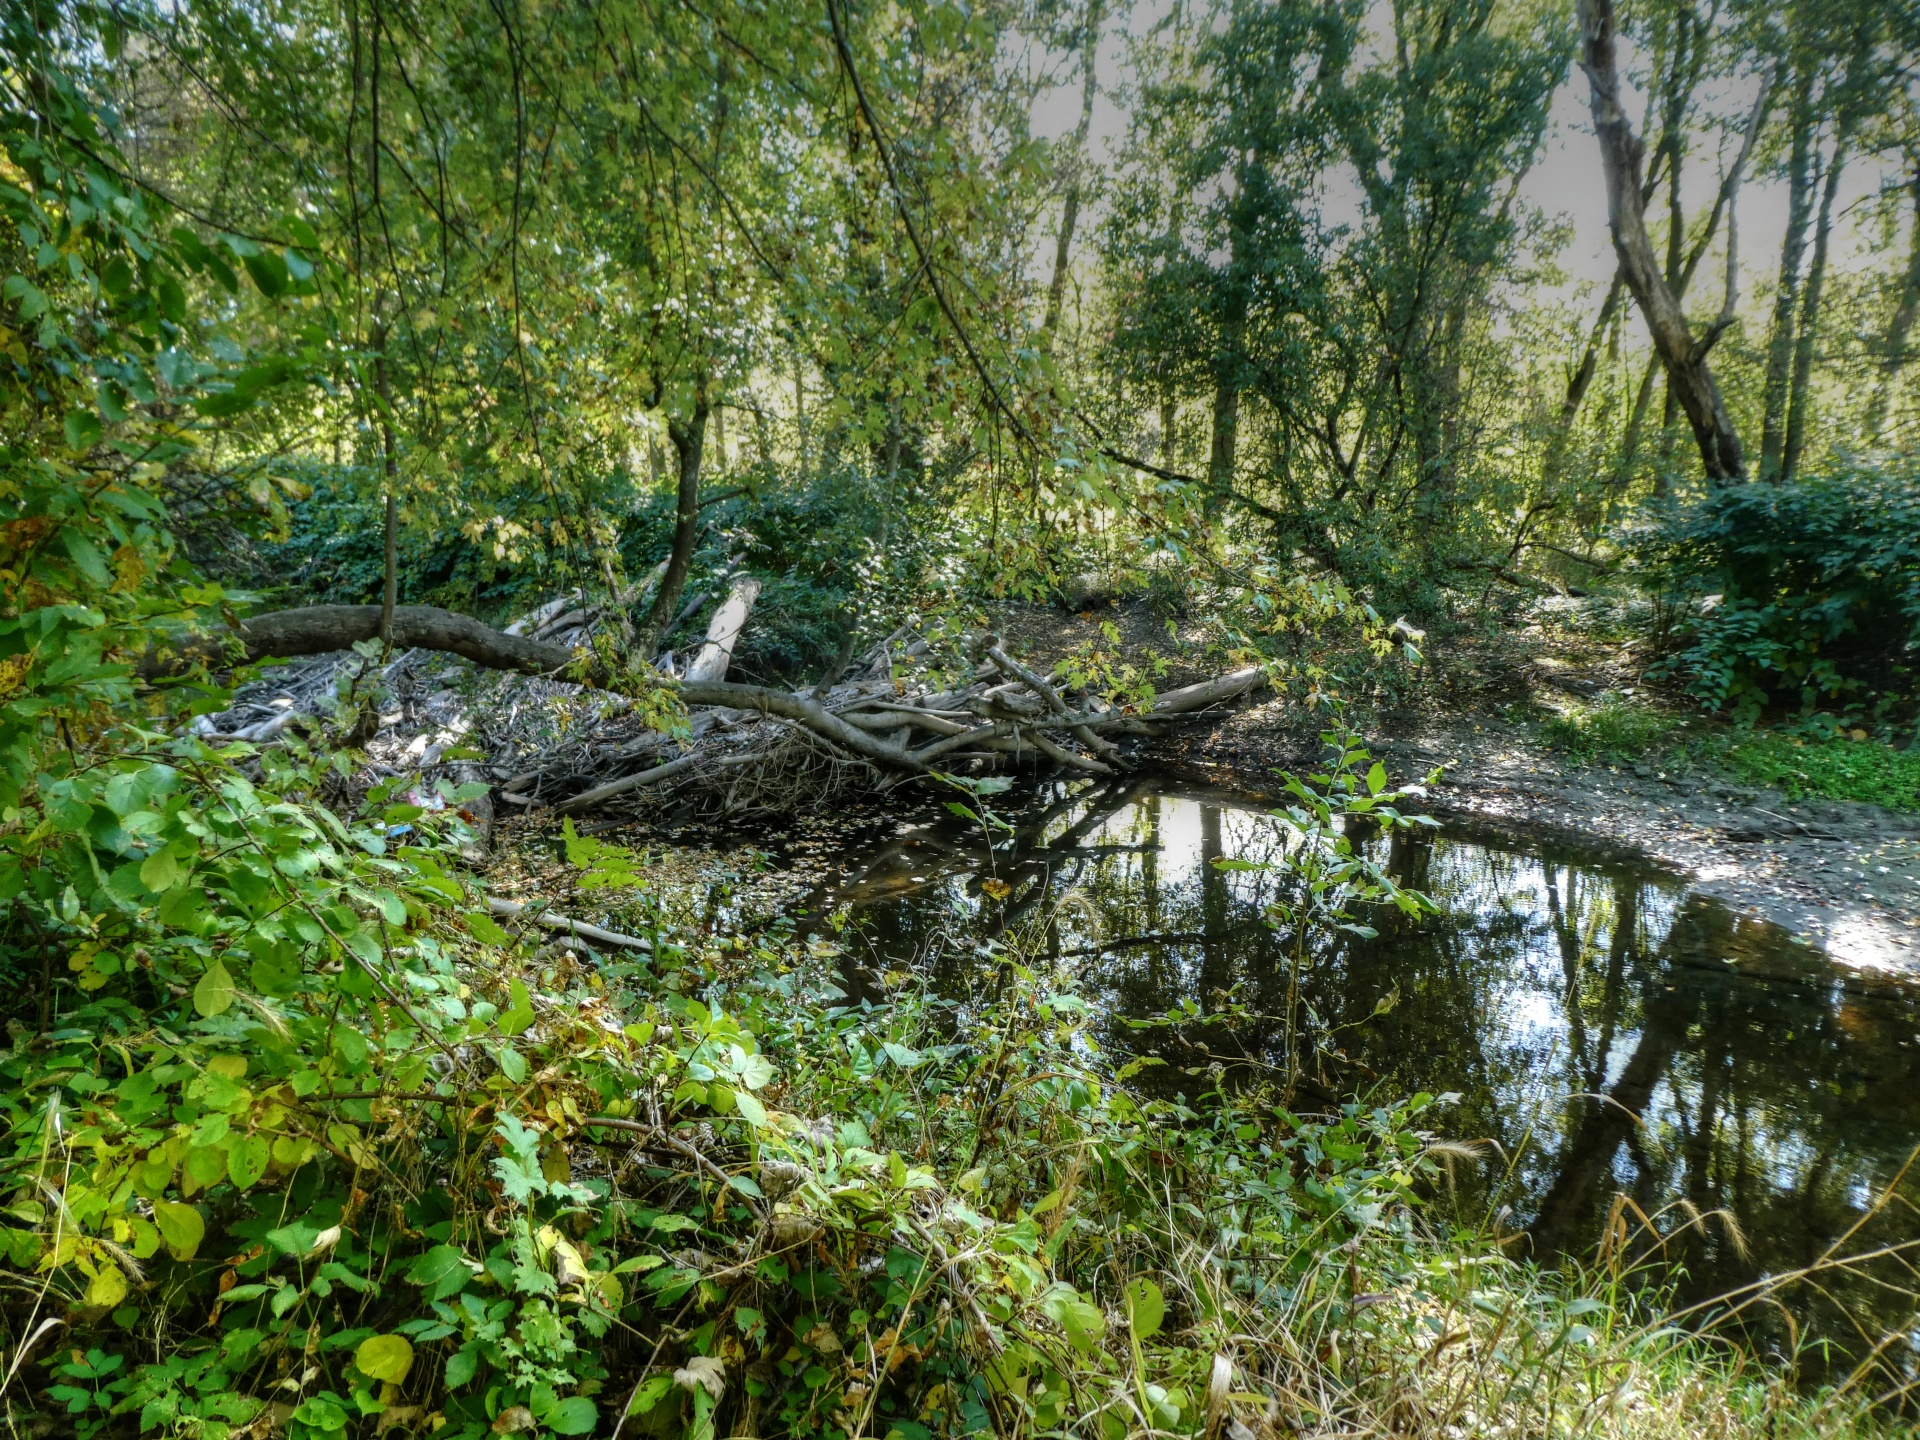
point(519, 1015)
point(1376, 778)
point(575, 1415)
point(441, 1271)
point(1146, 1307)
point(247, 1160)
point(750, 1108)
point(160, 871)
point(214, 994)
point(484, 929)
point(181, 1228)
point(1081, 1321)
point(385, 1357)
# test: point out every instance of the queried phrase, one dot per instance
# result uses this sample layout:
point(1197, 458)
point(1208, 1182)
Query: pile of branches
point(743, 747)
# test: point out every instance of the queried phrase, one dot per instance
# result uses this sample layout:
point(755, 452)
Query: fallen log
point(318, 629)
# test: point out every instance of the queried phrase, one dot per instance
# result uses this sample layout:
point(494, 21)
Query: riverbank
point(1842, 875)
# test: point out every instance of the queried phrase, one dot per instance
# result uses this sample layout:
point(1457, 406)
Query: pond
point(1606, 1031)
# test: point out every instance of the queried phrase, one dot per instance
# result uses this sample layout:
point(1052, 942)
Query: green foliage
point(1615, 728)
point(1837, 767)
point(1807, 593)
point(1331, 881)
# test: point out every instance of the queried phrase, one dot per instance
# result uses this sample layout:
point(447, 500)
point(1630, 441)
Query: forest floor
point(1840, 874)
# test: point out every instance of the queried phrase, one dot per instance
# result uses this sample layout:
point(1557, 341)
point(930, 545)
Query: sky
point(1566, 182)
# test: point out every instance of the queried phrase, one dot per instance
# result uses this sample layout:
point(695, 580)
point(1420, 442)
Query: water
point(1607, 1031)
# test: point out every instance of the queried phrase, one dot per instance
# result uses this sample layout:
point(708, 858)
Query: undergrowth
point(1615, 728)
point(1838, 768)
point(308, 1144)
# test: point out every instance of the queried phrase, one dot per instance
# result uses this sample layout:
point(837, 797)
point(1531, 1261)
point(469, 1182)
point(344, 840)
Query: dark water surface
point(1610, 1032)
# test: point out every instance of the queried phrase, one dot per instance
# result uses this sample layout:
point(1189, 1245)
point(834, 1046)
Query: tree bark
point(1684, 358)
point(689, 438)
point(320, 629)
point(1786, 298)
point(1799, 398)
point(1893, 356)
point(724, 630)
point(1070, 204)
point(1223, 451)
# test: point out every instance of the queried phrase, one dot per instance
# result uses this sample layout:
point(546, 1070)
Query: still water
point(1607, 1031)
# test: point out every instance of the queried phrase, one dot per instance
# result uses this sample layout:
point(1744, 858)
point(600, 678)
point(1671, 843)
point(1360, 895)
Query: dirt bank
point(1842, 875)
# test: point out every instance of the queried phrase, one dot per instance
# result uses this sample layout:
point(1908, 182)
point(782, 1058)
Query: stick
point(577, 928)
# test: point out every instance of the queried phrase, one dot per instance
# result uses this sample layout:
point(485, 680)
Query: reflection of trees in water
point(1589, 1016)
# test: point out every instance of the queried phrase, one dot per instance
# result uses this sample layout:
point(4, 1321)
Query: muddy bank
point(1841, 875)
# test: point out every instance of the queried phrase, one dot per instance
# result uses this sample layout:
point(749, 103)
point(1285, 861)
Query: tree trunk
point(1893, 357)
point(1685, 360)
point(1799, 402)
point(1773, 433)
point(723, 631)
point(1226, 383)
point(1070, 205)
point(689, 438)
point(1636, 425)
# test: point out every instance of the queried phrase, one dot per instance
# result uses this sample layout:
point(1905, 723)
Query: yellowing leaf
point(385, 1357)
point(181, 1228)
point(109, 1287)
point(214, 994)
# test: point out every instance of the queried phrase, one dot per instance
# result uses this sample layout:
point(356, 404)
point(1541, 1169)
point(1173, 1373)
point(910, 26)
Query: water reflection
point(1610, 1032)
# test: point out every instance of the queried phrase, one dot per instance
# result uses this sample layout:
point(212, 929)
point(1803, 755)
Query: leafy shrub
point(1807, 591)
point(1615, 728)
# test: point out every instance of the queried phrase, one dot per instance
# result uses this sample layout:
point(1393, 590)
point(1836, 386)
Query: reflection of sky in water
point(1763, 1081)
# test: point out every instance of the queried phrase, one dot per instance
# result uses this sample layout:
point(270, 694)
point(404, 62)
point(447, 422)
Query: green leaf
point(322, 1413)
point(575, 1415)
point(517, 1017)
point(1376, 778)
point(1080, 1320)
point(751, 1110)
point(483, 929)
point(442, 1271)
point(755, 1071)
point(461, 1366)
point(214, 994)
point(385, 1357)
point(1146, 1307)
point(269, 272)
point(160, 871)
point(181, 1228)
point(247, 1160)
point(82, 430)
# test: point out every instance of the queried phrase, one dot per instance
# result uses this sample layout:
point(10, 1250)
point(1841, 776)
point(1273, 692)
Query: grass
point(1835, 766)
point(1838, 768)
point(1615, 729)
